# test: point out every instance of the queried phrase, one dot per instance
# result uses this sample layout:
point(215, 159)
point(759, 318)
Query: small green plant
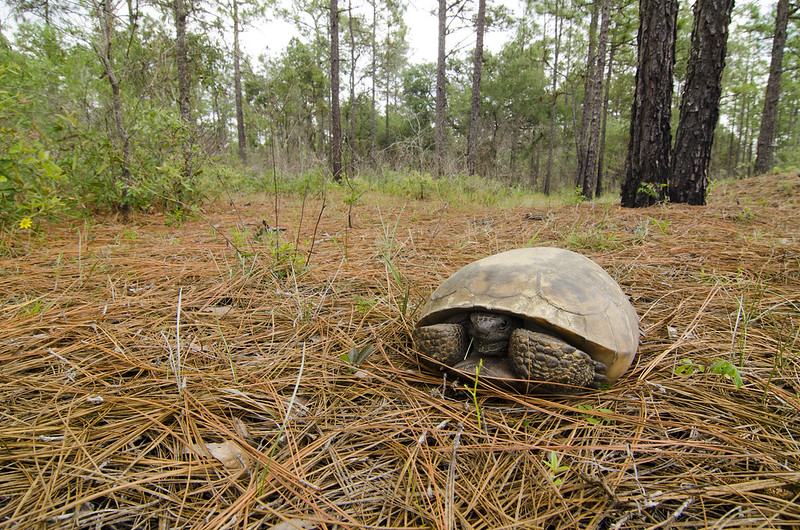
point(661, 224)
point(591, 419)
point(721, 367)
point(744, 216)
point(654, 191)
point(239, 237)
point(388, 247)
point(594, 238)
point(175, 217)
point(357, 355)
point(364, 304)
point(727, 370)
point(175, 360)
point(575, 196)
point(473, 391)
point(687, 367)
point(353, 189)
point(130, 234)
point(37, 307)
point(555, 469)
point(416, 184)
point(285, 257)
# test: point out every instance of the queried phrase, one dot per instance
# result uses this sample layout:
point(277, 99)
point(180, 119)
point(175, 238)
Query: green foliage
point(554, 467)
point(63, 153)
point(688, 367)
point(473, 392)
point(592, 419)
point(30, 180)
point(721, 367)
point(357, 355)
point(652, 190)
point(663, 225)
point(417, 185)
point(728, 371)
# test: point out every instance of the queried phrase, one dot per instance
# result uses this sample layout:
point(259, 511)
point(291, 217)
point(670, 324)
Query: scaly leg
point(447, 343)
point(541, 357)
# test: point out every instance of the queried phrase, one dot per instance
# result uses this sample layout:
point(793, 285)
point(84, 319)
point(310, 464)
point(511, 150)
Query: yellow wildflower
point(25, 223)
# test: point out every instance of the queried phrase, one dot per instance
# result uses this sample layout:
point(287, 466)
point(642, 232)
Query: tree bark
point(647, 162)
point(477, 67)
point(181, 60)
point(588, 97)
point(107, 58)
point(351, 122)
point(336, 124)
point(373, 76)
point(559, 26)
point(184, 101)
point(769, 117)
point(699, 109)
point(602, 153)
point(237, 84)
point(589, 177)
point(440, 90)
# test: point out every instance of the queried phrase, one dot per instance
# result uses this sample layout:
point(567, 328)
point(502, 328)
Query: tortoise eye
point(504, 324)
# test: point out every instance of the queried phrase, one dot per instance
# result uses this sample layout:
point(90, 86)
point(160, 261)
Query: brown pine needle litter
point(199, 376)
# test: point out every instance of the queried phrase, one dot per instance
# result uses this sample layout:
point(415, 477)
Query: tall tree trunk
point(601, 155)
point(589, 176)
point(351, 127)
point(647, 162)
point(512, 162)
point(588, 88)
point(336, 124)
point(184, 102)
point(440, 90)
point(237, 85)
point(373, 76)
point(388, 139)
point(107, 58)
point(559, 26)
point(477, 67)
point(700, 102)
point(769, 117)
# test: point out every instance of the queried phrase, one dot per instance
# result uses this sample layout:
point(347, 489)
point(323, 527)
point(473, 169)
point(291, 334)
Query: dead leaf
point(241, 429)
point(294, 524)
point(229, 453)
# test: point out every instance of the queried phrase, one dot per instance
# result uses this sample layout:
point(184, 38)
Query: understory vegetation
point(102, 109)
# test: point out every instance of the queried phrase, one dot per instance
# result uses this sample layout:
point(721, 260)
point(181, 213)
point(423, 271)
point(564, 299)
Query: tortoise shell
point(550, 289)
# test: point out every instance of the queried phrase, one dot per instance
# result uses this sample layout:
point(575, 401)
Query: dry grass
point(154, 377)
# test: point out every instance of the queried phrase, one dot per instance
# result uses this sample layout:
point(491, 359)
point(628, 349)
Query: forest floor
point(201, 376)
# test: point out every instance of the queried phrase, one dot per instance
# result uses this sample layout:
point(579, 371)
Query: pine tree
point(647, 163)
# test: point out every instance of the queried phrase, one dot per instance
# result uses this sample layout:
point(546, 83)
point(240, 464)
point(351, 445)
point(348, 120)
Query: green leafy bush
point(30, 180)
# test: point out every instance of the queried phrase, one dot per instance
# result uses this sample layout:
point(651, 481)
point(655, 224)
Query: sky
point(272, 37)
point(422, 34)
point(422, 37)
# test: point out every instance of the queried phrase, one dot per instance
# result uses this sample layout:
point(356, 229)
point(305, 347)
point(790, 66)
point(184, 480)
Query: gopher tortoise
point(536, 319)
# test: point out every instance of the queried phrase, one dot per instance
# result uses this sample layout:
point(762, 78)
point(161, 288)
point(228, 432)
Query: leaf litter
point(291, 397)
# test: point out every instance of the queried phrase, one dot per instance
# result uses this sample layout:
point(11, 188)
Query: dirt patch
point(155, 376)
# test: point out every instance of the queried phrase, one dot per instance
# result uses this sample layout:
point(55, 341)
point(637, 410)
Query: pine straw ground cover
point(156, 377)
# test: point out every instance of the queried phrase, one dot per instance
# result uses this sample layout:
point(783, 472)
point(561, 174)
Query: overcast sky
point(422, 34)
point(422, 31)
point(271, 38)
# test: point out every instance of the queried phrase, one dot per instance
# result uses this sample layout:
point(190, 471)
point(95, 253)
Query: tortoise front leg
point(541, 357)
point(447, 343)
